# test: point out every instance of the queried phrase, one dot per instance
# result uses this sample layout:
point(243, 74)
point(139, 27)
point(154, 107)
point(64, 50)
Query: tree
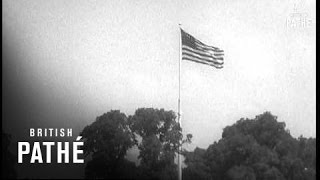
point(196, 166)
point(107, 141)
point(156, 134)
point(160, 136)
point(259, 148)
point(241, 172)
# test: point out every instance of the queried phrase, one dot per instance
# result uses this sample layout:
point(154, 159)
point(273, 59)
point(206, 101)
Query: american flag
point(196, 51)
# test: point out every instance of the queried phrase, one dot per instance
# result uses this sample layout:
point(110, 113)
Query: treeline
point(254, 149)
point(251, 149)
point(155, 132)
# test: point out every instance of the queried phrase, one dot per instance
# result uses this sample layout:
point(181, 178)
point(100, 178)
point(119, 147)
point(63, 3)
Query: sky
point(67, 62)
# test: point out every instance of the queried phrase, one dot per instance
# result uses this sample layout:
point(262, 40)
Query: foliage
point(156, 134)
point(161, 136)
point(107, 141)
point(197, 169)
point(259, 148)
point(251, 149)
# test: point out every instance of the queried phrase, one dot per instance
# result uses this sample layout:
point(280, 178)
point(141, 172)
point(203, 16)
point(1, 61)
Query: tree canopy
point(251, 149)
point(155, 132)
point(259, 148)
point(160, 135)
point(107, 141)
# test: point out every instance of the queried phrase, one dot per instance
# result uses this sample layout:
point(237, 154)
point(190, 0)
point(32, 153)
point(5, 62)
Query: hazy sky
point(67, 62)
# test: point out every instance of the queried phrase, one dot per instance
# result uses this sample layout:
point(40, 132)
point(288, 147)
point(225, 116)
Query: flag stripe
point(202, 53)
point(218, 54)
point(208, 53)
point(196, 51)
point(197, 61)
point(207, 48)
point(207, 59)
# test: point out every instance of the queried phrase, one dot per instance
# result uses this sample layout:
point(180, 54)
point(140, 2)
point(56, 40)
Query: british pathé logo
point(62, 148)
point(298, 18)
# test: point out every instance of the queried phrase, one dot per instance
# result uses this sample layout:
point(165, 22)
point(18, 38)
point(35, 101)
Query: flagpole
point(179, 107)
